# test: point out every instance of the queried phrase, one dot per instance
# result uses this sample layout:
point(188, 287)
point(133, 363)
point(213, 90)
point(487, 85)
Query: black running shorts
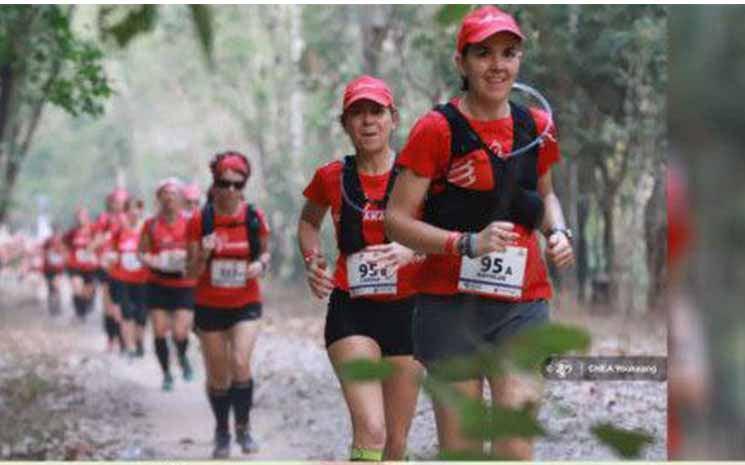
point(133, 302)
point(169, 298)
point(387, 323)
point(222, 319)
point(450, 326)
point(88, 276)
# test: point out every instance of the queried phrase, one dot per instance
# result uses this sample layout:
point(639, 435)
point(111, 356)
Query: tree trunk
point(609, 247)
point(655, 232)
point(374, 27)
point(582, 250)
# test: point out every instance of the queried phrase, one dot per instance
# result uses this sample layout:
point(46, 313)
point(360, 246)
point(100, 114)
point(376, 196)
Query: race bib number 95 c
point(499, 274)
point(367, 278)
point(228, 273)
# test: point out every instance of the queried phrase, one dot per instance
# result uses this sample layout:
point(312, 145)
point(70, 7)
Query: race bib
point(366, 278)
point(228, 273)
point(55, 259)
point(109, 257)
point(84, 256)
point(130, 262)
point(499, 274)
point(173, 261)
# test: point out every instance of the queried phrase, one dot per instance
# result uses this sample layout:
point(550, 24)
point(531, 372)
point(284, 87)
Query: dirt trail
point(113, 408)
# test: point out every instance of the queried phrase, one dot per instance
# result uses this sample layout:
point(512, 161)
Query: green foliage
point(627, 444)
point(484, 422)
point(201, 15)
point(452, 14)
point(125, 22)
point(365, 370)
point(531, 348)
point(54, 64)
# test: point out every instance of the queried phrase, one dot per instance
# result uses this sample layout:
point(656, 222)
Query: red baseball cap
point(484, 22)
point(172, 181)
point(118, 194)
point(192, 191)
point(370, 88)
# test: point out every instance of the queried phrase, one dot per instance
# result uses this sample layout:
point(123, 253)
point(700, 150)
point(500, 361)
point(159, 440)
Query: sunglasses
point(224, 184)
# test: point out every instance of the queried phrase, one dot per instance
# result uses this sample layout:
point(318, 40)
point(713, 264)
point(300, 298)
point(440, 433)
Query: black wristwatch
point(566, 231)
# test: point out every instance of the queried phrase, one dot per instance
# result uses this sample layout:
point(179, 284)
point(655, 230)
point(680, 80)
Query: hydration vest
point(514, 197)
point(351, 238)
point(251, 224)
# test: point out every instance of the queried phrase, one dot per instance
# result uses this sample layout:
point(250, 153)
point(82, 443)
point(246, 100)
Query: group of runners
point(431, 264)
point(438, 254)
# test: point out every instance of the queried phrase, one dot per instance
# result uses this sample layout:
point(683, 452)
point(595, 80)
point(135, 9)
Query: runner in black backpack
point(371, 292)
point(227, 251)
point(485, 278)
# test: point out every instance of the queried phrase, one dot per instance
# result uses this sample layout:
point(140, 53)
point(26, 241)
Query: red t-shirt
point(232, 249)
point(427, 153)
point(106, 225)
point(168, 240)
point(325, 190)
point(78, 239)
point(128, 267)
point(53, 251)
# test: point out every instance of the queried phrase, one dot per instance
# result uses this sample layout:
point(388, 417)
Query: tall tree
point(41, 61)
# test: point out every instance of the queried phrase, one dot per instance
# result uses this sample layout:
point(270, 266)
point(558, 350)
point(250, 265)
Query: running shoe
point(222, 445)
point(186, 368)
point(167, 382)
point(244, 439)
point(140, 350)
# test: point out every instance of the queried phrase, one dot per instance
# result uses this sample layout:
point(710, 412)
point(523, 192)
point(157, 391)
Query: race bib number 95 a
point(500, 274)
point(228, 273)
point(367, 278)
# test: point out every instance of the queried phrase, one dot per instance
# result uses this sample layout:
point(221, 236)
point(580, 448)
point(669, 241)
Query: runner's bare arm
point(259, 266)
point(309, 240)
point(309, 227)
point(196, 260)
point(143, 248)
point(559, 248)
point(265, 257)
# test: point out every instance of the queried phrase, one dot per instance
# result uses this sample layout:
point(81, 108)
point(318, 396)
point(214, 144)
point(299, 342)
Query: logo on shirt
point(374, 215)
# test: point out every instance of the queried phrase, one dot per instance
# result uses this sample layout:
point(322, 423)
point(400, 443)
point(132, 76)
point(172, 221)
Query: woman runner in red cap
point(129, 278)
point(106, 225)
point(192, 196)
point(371, 294)
point(82, 262)
point(170, 294)
point(461, 307)
point(227, 250)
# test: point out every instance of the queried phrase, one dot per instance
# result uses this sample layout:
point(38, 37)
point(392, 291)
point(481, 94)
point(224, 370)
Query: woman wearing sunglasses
point(227, 251)
point(371, 293)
